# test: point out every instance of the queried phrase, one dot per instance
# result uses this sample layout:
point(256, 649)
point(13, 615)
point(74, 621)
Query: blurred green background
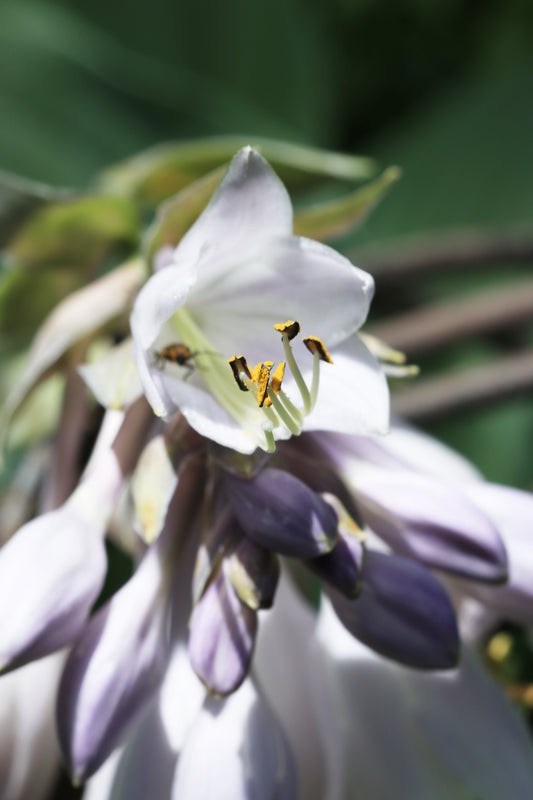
point(441, 88)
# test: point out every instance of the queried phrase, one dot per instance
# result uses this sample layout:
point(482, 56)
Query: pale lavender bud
point(281, 513)
point(51, 572)
point(235, 751)
point(403, 612)
point(438, 525)
point(115, 667)
point(222, 637)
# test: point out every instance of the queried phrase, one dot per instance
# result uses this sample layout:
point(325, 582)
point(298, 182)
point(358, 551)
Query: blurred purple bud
point(114, 669)
point(281, 513)
point(236, 751)
point(254, 574)
point(222, 637)
point(438, 525)
point(51, 572)
point(403, 613)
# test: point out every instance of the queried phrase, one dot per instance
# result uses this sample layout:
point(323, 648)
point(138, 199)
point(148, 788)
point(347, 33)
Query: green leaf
point(175, 217)
point(19, 198)
point(78, 232)
point(335, 217)
point(158, 173)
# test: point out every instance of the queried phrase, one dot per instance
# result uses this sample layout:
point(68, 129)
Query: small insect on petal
point(239, 366)
point(176, 353)
point(290, 329)
point(316, 345)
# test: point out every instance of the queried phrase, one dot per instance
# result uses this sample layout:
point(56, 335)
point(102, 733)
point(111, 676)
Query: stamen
point(239, 366)
point(277, 377)
point(291, 328)
point(260, 376)
point(297, 375)
point(284, 415)
point(316, 345)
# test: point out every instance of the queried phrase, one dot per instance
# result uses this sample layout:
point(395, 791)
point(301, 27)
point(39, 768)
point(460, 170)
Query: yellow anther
point(239, 366)
point(316, 345)
point(277, 377)
point(290, 329)
point(261, 375)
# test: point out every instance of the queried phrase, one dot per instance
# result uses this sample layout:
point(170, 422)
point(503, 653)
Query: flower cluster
point(207, 674)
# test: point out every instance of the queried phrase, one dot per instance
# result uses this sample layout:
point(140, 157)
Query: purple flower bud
point(281, 513)
point(51, 572)
point(342, 567)
point(222, 637)
point(114, 669)
point(403, 613)
point(434, 523)
point(254, 574)
point(235, 751)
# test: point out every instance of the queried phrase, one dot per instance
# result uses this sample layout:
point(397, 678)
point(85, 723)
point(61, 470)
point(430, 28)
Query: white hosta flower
point(238, 272)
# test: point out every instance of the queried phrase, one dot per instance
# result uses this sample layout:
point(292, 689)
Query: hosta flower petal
point(249, 192)
point(29, 751)
point(237, 273)
point(235, 751)
point(405, 448)
point(281, 513)
point(51, 572)
point(512, 511)
point(403, 613)
point(289, 279)
point(284, 648)
point(440, 731)
point(114, 668)
point(222, 637)
point(159, 298)
point(432, 522)
point(353, 396)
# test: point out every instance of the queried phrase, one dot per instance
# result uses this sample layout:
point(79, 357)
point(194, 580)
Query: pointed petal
point(281, 513)
point(353, 396)
point(114, 668)
point(222, 637)
point(403, 612)
point(152, 485)
point(434, 523)
point(440, 731)
point(250, 205)
point(236, 751)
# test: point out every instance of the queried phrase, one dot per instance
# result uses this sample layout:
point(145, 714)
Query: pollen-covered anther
point(290, 329)
point(261, 376)
point(239, 367)
point(316, 346)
